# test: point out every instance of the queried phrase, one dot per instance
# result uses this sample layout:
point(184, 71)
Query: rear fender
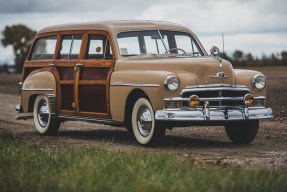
point(41, 83)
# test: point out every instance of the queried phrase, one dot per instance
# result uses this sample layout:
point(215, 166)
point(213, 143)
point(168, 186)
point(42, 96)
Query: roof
point(115, 26)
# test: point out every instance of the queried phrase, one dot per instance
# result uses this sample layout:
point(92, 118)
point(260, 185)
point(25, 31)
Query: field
point(92, 157)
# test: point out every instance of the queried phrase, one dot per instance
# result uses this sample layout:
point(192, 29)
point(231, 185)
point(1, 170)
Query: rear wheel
point(44, 123)
point(242, 132)
point(143, 123)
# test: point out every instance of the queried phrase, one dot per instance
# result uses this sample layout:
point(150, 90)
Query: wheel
point(44, 123)
point(144, 125)
point(242, 132)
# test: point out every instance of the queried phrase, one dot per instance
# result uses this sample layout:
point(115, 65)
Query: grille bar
point(217, 96)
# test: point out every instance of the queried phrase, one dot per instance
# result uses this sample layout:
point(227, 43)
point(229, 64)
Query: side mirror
point(214, 51)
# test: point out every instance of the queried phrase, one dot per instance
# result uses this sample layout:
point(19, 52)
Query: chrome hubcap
point(43, 113)
point(144, 121)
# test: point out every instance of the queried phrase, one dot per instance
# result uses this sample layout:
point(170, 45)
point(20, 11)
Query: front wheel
point(242, 132)
point(144, 125)
point(44, 123)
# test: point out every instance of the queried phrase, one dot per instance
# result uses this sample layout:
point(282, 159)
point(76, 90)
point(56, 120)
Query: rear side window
point(44, 48)
point(99, 47)
point(70, 47)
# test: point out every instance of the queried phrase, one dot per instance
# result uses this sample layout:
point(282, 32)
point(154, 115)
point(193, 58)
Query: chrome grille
point(217, 96)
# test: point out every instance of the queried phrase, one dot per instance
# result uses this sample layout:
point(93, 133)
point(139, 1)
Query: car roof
point(116, 26)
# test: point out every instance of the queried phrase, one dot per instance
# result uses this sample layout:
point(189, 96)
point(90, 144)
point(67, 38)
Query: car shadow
point(123, 137)
point(120, 136)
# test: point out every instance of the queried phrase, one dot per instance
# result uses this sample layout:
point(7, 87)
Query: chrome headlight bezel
point(255, 82)
point(171, 83)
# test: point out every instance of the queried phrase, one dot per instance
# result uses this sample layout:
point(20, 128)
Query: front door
point(93, 75)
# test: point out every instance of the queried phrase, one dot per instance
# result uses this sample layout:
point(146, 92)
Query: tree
point(238, 55)
point(20, 37)
point(249, 59)
point(284, 57)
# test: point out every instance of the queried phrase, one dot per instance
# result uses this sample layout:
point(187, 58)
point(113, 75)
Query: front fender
point(122, 83)
point(244, 77)
point(41, 83)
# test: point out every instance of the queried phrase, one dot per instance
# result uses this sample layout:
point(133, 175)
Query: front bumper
point(214, 114)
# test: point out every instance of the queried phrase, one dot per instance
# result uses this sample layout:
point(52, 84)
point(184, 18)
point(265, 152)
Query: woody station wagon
point(145, 75)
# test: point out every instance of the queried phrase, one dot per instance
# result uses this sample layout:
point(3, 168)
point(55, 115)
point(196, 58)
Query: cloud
point(64, 6)
point(253, 25)
point(230, 16)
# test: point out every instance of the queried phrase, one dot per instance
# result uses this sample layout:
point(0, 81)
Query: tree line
point(20, 38)
point(238, 58)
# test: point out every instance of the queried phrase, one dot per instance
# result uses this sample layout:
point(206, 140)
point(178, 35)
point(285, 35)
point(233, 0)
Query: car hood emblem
point(220, 75)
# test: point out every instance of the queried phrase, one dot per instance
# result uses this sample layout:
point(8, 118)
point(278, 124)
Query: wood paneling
point(92, 98)
point(87, 86)
point(67, 97)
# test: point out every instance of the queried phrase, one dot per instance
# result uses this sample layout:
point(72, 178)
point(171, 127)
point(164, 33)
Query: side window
point(154, 45)
point(70, 47)
point(44, 48)
point(129, 45)
point(99, 47)
point(184, 42)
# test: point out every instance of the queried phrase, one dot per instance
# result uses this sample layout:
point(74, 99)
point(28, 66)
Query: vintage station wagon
point(145, 75)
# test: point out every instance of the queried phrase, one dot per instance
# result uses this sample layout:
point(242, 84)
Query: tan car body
point(129, 75)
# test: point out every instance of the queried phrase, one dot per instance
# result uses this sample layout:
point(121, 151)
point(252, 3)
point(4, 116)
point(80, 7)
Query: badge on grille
point(220, 75)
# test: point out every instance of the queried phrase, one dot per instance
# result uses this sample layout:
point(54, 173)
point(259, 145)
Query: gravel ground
point(203, 145)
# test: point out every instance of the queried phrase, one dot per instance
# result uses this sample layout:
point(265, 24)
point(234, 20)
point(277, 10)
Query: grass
point(32, 168)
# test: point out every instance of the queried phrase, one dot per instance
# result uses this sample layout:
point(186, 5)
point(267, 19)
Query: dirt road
point(203, 145)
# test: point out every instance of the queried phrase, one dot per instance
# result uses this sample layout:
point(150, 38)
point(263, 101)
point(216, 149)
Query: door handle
point(78, 66)
point(52, 65)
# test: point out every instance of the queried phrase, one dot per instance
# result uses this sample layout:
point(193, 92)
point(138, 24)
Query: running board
point(24, 117)
point(89, 119)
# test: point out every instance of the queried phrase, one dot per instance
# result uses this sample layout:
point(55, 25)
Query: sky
point(252, 26)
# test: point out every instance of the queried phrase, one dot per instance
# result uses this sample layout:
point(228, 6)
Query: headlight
point(171, 83)
point(258, 82)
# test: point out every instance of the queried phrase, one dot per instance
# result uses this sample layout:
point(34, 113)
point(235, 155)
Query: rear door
point(67, 59)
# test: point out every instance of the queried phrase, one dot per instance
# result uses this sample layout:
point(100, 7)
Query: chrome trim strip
point(215, 89)
point(38, 89)
point(215, 85)
point(90, 119)
point(135, 85)
point(259, 97)
point(213, 99)
point(222, 99)
point(213, 115)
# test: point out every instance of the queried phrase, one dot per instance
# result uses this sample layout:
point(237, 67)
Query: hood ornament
point(215, 53)
point(220, 75)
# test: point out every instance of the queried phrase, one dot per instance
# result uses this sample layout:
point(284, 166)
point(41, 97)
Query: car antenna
point(222, 42)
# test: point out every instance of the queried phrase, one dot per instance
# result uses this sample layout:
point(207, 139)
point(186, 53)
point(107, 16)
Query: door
point(92, 76)
point(67, 59)
point(84, 64)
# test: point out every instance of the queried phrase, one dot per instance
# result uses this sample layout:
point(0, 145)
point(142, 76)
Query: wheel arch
point(131, 99)
point(40, 83)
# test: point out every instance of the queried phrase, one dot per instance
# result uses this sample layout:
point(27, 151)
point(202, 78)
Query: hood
point(206, 70)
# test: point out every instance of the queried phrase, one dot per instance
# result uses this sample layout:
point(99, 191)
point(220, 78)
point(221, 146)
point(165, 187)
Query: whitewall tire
point(143, 123)
point(44, 123)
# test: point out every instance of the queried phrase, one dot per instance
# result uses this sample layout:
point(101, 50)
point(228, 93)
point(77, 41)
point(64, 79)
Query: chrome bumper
point(214, 114)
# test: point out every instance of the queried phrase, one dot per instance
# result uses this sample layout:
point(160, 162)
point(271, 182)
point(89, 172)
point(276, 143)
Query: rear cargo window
point(44, 48)
point(70, 47)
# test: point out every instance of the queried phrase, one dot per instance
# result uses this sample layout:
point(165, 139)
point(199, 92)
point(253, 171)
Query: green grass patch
point(32, 168)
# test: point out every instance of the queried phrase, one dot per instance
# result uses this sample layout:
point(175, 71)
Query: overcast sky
point(256, 26)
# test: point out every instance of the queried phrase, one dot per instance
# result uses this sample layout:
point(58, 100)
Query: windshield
point(157, 42)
